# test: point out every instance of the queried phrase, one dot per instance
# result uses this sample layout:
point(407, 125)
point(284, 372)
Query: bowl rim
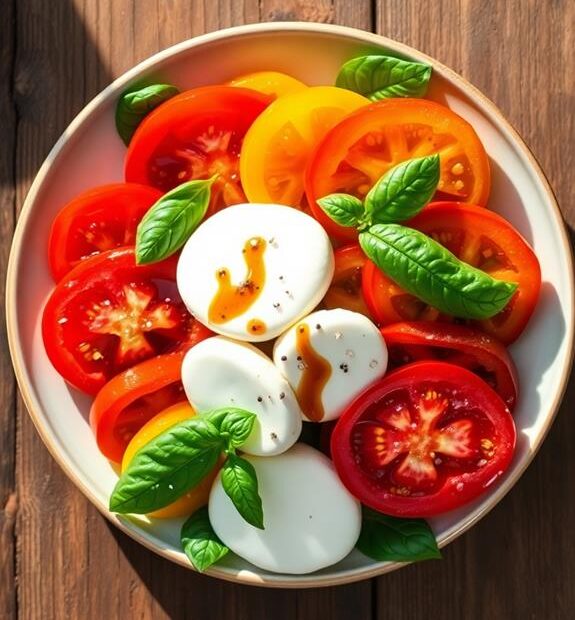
point(34, 407)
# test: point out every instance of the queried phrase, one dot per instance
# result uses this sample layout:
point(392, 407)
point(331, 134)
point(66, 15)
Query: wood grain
point(518, 562)
point(8, 497)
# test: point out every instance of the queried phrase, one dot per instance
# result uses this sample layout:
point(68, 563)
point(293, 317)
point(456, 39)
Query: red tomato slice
point(108, 314)
point(345, 290)
point(367, 143)
point(100, 219)
point(482, 354)
point(478, 237)
point(426, 439)
point(195, 135)
point(132, 398)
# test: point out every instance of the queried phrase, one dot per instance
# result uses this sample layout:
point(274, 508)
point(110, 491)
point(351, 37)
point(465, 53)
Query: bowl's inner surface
point(94, 155)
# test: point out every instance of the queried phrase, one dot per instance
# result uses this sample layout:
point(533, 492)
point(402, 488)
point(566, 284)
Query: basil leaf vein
point(199, 541)
point(403, 191)
point(240, 482)
point(429, 271)
point(169, 223)
point(134, 105)
point(344, 209)
point(386, 538)
point(168, 466)
point(380, 77)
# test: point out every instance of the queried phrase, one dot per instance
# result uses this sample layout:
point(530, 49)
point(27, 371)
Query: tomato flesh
point(426, 439)
point(100, 219)
point(133, 397)
point(108, 314)
point(346, 286)
point(472, 349)
point(196, 135)
point(369, 142)
point(478, 237)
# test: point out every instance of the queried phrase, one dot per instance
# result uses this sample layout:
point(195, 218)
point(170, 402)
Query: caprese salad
point(293, 315)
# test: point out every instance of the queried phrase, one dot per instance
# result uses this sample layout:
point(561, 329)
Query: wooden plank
point(8, 497)
point(519, 561)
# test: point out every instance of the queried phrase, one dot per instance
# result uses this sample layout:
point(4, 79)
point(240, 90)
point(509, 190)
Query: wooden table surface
point(58, 557)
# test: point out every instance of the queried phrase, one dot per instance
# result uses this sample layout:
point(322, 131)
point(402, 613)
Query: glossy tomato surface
point(108, 314)
point(277, 147)
point(478, 237)
point(196, 135)
point(132, 398)
point(424, 440)
point(457, 344)
point(345, 290)
point(366, 144)
point(97, 220)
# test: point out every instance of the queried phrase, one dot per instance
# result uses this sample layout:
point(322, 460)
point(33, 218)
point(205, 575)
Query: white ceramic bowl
point(89, 153)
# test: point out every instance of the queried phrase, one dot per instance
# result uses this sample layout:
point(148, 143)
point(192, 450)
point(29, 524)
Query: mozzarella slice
point(311, 521)
point(353, 353)
point(219, 372)
point(230, 251)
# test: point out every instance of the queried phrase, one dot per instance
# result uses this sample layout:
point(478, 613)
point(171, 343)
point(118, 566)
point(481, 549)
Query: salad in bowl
point(283, 255)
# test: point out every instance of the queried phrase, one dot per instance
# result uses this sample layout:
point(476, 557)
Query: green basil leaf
point(168, 466)
point(237, 426)
point(134, 105)
point(380, 77)
point(403, 191)
point(391, 539)
point(429, 271)
point(170, 222)
point(343, 209)
point(240, 483)
point(199, 541)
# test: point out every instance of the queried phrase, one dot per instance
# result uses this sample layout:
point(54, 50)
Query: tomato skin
point(195, 135)
point(479, 237)
point(109, 214)
point(64, 328)
point(458, 486)
point(271, 83)
point(122, 391)
point(196, 497)
point(346, 286)
point(472, 349)
point(351, 158)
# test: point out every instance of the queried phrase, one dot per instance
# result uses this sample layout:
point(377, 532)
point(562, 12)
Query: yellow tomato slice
point(278, 145)
point(269, 83)
point(195, 498)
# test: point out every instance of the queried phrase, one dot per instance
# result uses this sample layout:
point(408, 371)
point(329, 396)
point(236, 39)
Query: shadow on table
point(182, 593)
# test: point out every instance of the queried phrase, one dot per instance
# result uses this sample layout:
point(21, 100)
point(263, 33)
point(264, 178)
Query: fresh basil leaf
point(199, 541)
point(240, 483)
point(237, 426)
point(403, 191)
point(168, 466)
point(380, 77)
point(390, 539)
point(343, 209)
point(134, 105)
point(170, 222)
point(432, 273)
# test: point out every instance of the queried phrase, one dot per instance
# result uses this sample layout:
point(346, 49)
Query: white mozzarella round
point(298, 261)
point(219, 372)
point(349, 342)
point(311, 521)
